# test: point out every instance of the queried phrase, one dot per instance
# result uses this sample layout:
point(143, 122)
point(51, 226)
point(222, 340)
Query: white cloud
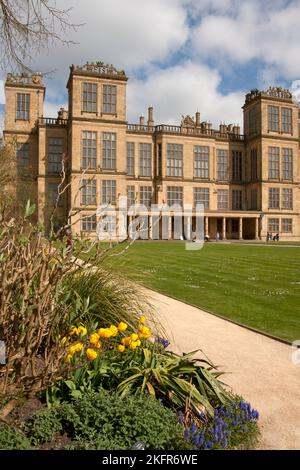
point(258, 30)
point(182, 90)
point(129, 34)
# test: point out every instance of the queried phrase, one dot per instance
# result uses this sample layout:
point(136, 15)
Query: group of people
point(274, 238)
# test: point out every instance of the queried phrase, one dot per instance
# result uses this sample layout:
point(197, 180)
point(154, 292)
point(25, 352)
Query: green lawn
point(255, 285)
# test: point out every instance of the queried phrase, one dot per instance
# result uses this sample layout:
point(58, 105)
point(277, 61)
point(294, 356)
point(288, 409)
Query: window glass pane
point(201, 196)
point(55, 151)
point(130, 158)
point(201, 162)
point(222, 198)
point(108, 192)
point(109, 141)
point(273, 162)
point(273, 198)
point(222, 165)
point(109, 99)
point(23, 104)
point(174, 159)
point(287, 164)
point(89, 149)
point(145, 195)
point(89, 97)
point(273, 118)
point(89, 192)
point(286, 120)
point(145, 159)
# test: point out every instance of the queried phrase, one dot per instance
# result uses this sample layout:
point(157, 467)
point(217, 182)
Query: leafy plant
point(43, 426)
point(12, 439)
point(104, 420)
point(180, 381)
point(98, 296)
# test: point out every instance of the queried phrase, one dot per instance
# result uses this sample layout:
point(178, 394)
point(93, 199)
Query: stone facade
point(249, 182)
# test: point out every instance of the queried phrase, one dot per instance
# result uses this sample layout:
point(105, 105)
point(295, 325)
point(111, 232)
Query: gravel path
point(259, 368)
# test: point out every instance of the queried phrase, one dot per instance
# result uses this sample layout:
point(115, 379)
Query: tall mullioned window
point(89, 223)
point(145, 195)
point(223, 199)
point(222, 165)
point(274, 198)
point(287, 225)
point(89, 192)
point(273, 163)
point(130, 158)
point(201, 162)
point(23, 105)
point(55, 151)
point(253, 121)
point(109, 150)
point(286, 120)
point(237, 201)
point(52, 195)
point(174, 196)
point(108, 192)
point(287, 198)
point(22, 154)
point(109, 99)
point(236, 166)
point(253, 164)
point(130, 196)
point(273, 225)
point(159, 159)
point(287, 164)
point(174, 159)
point(201, 196)
point(89, 97)
point(89, 149)
point(145, 159)
point(273, 118)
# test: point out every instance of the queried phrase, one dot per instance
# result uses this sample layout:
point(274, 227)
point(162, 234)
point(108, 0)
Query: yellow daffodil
point(114, 330)
point(138, 343)
point(94, 338)
point(134, 337)
point(82, 330)
point(142, 319)
point(98, 344)
point(91, 354)
point(121, 348)
point(122, 326)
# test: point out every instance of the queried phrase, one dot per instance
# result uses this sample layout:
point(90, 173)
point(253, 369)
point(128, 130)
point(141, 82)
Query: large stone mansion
point(248, 182)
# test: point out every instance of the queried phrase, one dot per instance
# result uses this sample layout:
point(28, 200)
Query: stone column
point(170, 228)
point(206, 226)
point(224, 229)
point(256, 228)
point(241, 229)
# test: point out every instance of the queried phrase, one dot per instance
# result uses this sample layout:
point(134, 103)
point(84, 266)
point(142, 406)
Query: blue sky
point(180, 55)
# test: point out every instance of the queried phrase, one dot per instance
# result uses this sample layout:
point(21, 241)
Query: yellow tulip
point(121, 348)
point(122, 326)
point(114, 330)
point(142, 319)
point(94, 338)
point(133, 345)
point(98, 345)
point(134, 336)
point(91, 354)
point(82, 330)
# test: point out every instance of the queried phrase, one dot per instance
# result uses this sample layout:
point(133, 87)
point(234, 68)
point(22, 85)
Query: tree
point(27, 26)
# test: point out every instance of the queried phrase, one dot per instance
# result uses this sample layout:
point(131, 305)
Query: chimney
point(198, 119)
point(142, 120)
point(150, 116)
